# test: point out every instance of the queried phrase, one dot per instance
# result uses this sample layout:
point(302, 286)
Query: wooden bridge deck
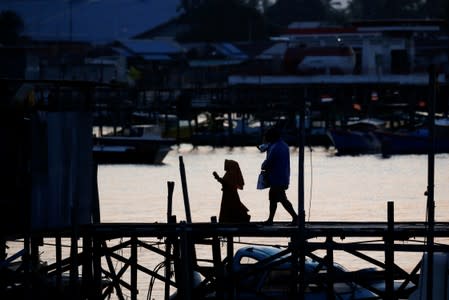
point(401, 230)
point(106, 244)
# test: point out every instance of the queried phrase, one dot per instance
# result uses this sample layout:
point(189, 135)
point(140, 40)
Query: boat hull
point(130, 155)
point(414, 142)
point(353, 142)
point(122, 150)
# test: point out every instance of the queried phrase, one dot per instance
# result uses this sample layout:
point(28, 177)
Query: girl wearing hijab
point(232, 209)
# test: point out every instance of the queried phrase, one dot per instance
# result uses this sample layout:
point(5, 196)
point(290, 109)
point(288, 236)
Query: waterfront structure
point(382, 47)
point(91, 267)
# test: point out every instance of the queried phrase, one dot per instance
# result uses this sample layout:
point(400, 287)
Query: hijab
point(233, 175)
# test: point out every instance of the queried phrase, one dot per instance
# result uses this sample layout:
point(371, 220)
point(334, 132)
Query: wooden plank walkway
point(401, 230)
point(106, 245)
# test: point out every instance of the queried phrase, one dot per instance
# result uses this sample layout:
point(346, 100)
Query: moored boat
point(416, 140)
point(357, 137)
point(265, 272)
point(139, 144)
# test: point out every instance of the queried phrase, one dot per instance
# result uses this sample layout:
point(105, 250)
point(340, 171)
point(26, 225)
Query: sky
point(98, 21)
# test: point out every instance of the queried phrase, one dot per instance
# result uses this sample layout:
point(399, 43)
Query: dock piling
point(170, 219)
point(184, 190)
point(389, 253)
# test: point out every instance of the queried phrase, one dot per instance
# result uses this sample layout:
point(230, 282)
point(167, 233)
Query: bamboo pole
point(389, 254)
point(230, 268)
point(170, 186)
point(184, 190)
point(134, 266)
point(186, 278)
point(301, 212)
point(430, 180)
point(218, 265)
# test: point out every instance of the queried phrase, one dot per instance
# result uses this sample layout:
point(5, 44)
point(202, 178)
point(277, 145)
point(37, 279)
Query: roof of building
point(156, 49)
point(214, 54)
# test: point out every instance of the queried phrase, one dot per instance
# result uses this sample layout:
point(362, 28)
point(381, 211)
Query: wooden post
point(27, 269)
point(330, 268)
point(186, 277)
point(95, 243)
point(74, 287)
point(301, 211)
point(230, 255)
point(87, 272)
point(133, 259)
point(218, 265)
point(96, 262)
point(95, 195)
point(74, 194)
point(184, 190)
point(170, 186)
point(58, 251)
point(431, 180)
point(389, 254)
point(293, 245)
point(177, 264)
point(168, 251)
point(35, 243)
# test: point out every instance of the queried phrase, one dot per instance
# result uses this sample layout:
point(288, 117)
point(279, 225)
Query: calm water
point(348, 188)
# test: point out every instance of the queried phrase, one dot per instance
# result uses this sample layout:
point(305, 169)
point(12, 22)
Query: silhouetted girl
point(232, 209)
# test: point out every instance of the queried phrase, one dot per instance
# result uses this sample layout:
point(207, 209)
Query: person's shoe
point(267, 222)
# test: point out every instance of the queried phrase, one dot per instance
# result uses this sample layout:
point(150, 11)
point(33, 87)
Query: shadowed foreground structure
point(52, 196)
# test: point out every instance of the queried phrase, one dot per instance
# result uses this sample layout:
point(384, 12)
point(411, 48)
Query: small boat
point(243, 133)
point(139, 144)
point(416, 140)
point(265, 273)
point(358, 137)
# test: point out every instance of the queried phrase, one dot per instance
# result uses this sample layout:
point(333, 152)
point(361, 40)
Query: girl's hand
point(215, 175)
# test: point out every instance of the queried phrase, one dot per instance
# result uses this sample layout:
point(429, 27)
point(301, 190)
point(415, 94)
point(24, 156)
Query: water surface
point(345, 188)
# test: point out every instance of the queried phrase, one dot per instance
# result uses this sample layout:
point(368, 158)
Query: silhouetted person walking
point(277, 167)
point(232, 209)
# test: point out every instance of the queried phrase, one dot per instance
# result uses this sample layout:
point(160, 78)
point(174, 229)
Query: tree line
point(251, 20)
point(239, 20)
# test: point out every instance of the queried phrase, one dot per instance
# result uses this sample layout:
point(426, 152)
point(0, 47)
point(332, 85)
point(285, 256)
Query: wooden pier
point(105, 245)
point(88, 269)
